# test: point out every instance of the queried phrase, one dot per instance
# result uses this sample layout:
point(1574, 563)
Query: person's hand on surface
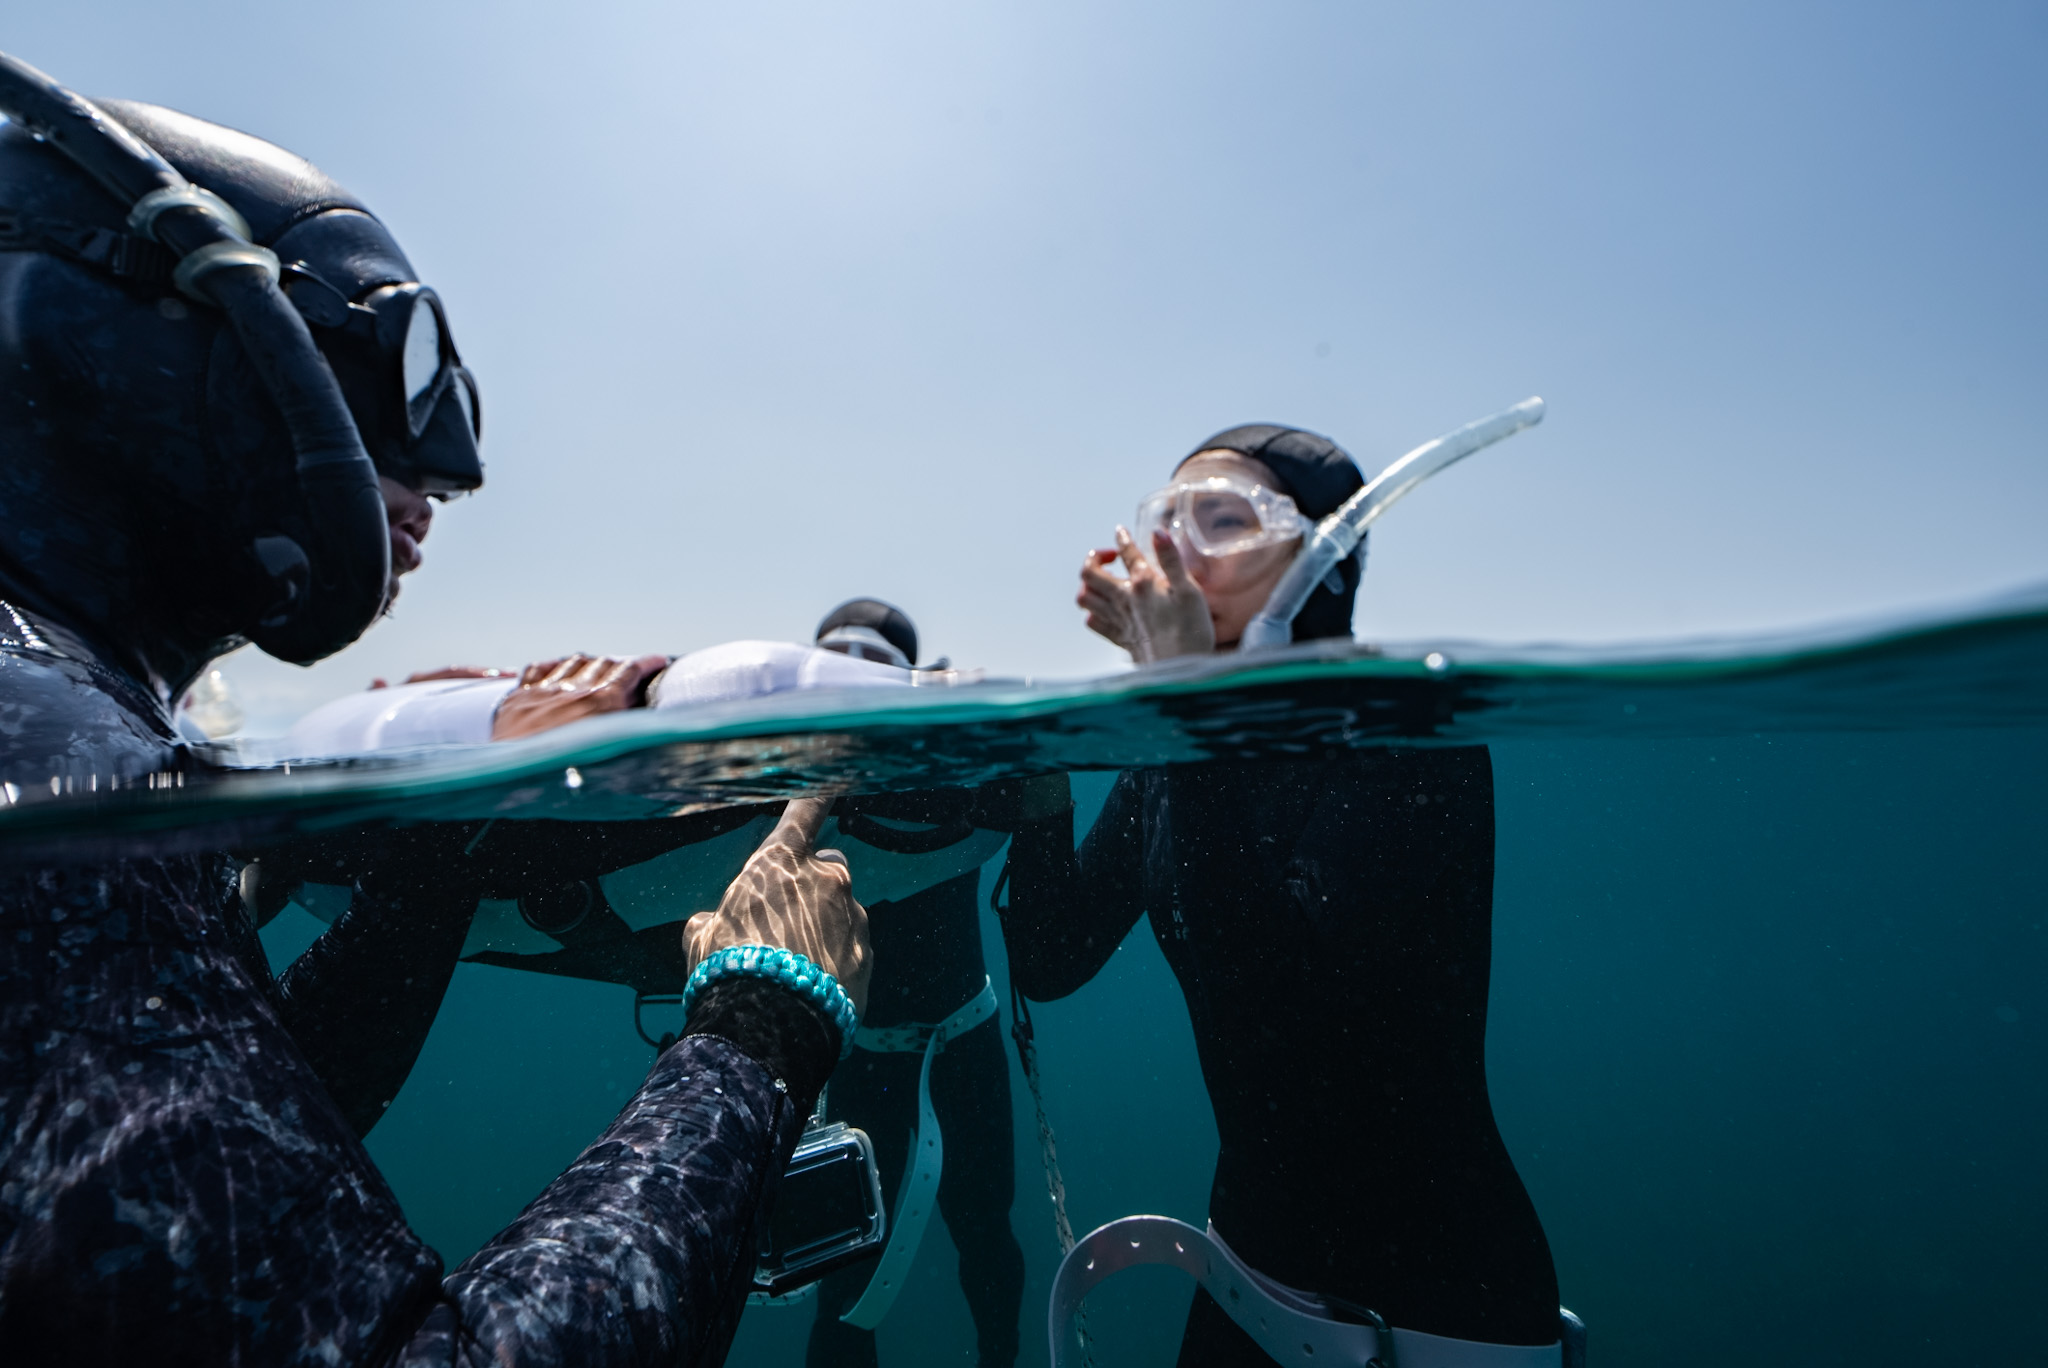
point(553, 693)
point(1156, 611)
point(792, 897)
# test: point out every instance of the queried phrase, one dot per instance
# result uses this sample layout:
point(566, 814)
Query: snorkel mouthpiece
point(1338, 535)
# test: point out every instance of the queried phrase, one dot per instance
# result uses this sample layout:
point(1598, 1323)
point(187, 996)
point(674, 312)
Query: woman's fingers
point(1102, 584)
point(1167, 552)
point(1134, 561)
point(1115, 630)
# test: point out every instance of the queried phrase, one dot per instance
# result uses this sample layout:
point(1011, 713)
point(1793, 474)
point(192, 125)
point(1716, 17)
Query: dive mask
point(864, 643)
point(408, 361)
point(1220, 516)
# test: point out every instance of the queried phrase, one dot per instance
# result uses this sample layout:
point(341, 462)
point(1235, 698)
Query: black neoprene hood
point(1318, 475)
point(151, 484)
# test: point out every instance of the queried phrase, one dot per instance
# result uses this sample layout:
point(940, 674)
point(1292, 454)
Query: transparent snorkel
point(1338, 535)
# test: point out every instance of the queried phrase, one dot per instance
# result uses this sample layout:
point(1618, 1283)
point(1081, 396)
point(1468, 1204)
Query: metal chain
point(1027, 1054)
point(1055, 1185)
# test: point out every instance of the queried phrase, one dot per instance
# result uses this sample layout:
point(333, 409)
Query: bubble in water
point(2008, 1014)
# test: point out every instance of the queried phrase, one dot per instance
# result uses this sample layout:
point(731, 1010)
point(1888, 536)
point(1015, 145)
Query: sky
point(778, 304)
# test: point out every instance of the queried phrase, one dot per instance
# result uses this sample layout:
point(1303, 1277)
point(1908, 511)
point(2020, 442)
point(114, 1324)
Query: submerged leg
point(971, 1094)
point(878, 1093)
point(834, 1343)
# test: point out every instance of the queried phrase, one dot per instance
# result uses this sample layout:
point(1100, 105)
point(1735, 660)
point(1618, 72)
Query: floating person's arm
point(361, 998)
point(1069, 909)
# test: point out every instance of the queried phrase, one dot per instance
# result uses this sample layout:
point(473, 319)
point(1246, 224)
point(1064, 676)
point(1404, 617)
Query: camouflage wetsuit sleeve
point(177, 1187)
point(642, 1252)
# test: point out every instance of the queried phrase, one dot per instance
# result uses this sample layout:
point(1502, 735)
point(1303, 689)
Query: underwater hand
point(553, 693)
point(1157, 611)
point(792, 897)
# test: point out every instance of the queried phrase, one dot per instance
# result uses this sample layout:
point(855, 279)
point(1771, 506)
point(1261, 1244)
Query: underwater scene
point(1765, 1032)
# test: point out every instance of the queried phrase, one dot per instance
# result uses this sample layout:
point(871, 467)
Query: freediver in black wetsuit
point(196, 460)
point(1329, 922)
point(930, 943)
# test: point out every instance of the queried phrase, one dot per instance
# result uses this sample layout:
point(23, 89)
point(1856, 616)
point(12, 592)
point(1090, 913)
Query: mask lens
point(1223, 521)
point(465, 395)
point(1154, 515)
point(422, 349)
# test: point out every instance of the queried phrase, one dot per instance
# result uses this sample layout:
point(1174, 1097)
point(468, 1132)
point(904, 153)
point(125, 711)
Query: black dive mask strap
point(107, 250)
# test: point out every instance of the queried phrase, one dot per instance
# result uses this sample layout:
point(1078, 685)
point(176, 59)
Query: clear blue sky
point(774, 304)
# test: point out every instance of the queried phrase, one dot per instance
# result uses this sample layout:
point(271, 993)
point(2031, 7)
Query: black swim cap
point(886, 620)
point(1319, 476)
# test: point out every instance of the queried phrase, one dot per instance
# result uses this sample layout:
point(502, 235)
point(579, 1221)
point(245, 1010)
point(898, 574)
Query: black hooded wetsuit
point(928, 965)
point(1330, 924)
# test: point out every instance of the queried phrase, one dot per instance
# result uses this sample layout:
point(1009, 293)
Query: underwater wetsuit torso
point(1330, 926)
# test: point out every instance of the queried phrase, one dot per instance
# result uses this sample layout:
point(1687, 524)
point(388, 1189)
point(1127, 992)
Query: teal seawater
point(1768, 1032)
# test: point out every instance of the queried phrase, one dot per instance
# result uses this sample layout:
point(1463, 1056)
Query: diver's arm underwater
point(1068, 909)
point(362, 997)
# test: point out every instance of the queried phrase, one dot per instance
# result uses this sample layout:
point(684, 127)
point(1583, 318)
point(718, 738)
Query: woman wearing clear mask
point(1329, 922)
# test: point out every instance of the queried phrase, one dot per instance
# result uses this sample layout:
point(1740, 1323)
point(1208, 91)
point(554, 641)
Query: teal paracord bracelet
point(785, 967)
